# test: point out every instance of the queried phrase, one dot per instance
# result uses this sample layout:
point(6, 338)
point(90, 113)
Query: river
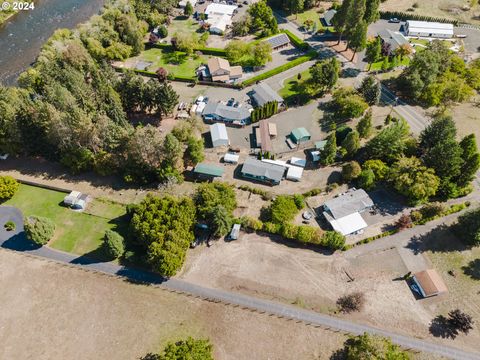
point(22, 36)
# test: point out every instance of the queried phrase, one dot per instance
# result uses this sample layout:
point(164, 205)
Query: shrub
point(272, 228)
point(8, 187)
point(313, 192)
point(352, 302)
point(306, 234)
point(416, 215)
point(333, 240)
point(113, 244)
point(404, 222)
point(39, 229)
point(351, 170)
point(283, 209)
point(251, 223)
point(9, 226)
point(162, 31)
point(296, 41)
point(299, 201)
point(432, 210)
point(289, 231)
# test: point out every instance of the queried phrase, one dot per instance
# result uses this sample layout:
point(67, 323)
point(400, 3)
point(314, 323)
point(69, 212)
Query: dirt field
point(467, 118)
point(53, 312)
point(451, 9)
point(273, 269)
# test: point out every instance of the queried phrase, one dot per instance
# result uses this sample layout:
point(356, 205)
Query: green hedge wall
point(409, 16)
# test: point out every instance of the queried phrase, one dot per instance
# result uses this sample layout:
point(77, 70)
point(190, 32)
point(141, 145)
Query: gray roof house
point(328, 16)
point(392, 40)
point(348, 203)
point(262, 94)
point(260, 171)
point(278, 42)
point(216, 111)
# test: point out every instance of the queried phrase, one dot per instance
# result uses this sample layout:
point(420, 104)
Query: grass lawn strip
point(79, 233)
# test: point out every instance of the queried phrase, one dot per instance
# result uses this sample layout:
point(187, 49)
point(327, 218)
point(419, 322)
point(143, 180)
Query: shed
point(300, 135)
point(298, 161)
point(262, 135)
point(294, 173)
point(347, 225)
point(72, 198)
point(231, 158)
point(278, 42)
point(429, 29)
point(219, 135)
point(272, 130)
point(429, 283)
point(235, 232)
point(320, 145)
point(208, 170)
point(328, 16)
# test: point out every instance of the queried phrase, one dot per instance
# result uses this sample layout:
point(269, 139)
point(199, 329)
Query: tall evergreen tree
point(371, 11)
point(358, 38)
point(471, 160)
point(340, 19)
point(351, 143)
point(329, 152)
point(364, 126)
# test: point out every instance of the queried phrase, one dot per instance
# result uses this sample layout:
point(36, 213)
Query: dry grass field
point(54, 312)
point(452, 9)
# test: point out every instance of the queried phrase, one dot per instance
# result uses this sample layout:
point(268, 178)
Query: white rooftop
point(231, 158)
point(298, 161)
point(429, 25)
point(218, 131)
point(220, 9)
point(348, 224)
point(294, 173)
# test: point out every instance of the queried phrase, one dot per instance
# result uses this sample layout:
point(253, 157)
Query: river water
point(22, 36)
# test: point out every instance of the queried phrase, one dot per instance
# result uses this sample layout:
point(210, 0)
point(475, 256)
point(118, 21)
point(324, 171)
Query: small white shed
point(298, 162)
point(219, 135)
point(72, 198)
point(294, 173)
point(231, 158)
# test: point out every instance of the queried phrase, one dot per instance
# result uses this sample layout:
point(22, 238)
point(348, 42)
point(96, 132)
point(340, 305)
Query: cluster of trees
point(468, 227)
point(186, 42)
point(215, 203)
point(352, 19)
point(71, 107)
point(377, 51)
point(259, 20)
point(265, 111)
point(293, 6)
point(371, 347)
point(248, 54)
point(190, 348)
point(8, 187)
point(38, 229)
point(347, 103)
point(162, 229)
point(437, 76)
point(324, 76)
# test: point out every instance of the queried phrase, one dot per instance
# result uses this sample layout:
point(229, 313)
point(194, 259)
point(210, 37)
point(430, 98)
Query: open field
point(182, 25)
point(79, 233)
point(451, 9)
point(467, 118)
point(312, 14)
point(272, 268)
point(54, 312)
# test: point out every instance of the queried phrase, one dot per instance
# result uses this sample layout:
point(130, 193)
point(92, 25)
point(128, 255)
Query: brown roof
point(266, 143)
point(221, 78)
point(272, 129)
point(216, 63)
point(236, 71)
point(430, 282)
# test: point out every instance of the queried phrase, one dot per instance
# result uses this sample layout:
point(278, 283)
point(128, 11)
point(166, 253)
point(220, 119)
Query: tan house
point(221, 71)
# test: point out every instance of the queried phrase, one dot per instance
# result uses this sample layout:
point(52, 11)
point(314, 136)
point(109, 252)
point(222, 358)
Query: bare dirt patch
point(467, 118)
point(50, 311)
point(273, 269)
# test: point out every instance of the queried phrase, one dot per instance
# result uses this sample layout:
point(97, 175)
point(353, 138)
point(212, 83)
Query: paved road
point(17, 241)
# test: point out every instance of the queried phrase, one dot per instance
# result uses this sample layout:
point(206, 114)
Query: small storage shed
point(235, 232)
point(208, 171)
point(300, 135)
point(219, 135)
point(231, 158)
point(294, 173)
point(72, 198)
point(429, 283)
point(298, 162)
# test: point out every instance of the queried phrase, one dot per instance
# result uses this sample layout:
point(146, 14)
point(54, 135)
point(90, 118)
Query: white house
point(220, 9)
point(219, 23)
point(218, 132)
point(429, 29)
point(183, 3)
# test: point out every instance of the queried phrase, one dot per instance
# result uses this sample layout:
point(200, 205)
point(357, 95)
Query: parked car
point(394, 20)
point(231, 102)
point(4, 157)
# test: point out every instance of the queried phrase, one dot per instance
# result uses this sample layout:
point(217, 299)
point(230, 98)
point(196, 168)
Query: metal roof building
point(348, 203)
point(262, 94)
point(429, 29)
point(219, 135)
point(207, 170)
point(278, 42)
point(219, 111)
point(299, 135)
point(262, 171)
point(328, 16)
point(429, 283)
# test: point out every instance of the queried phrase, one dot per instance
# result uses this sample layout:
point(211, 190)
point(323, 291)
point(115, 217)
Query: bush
point(313, 192)
point(251, 223)
point(350, 171)
point(113, 244)
point(404, 222)
point(272, 228)
point(8, 187)
point(352, 302)
point(416, 215)
point(307, 234)
point(9, 226)
point(289, 231)
point(39, 229)
point(296, 41)
point(432, 210)
point(283, 209)
point(266, 195)
point(299, 201)
point(333, 240)
point(162, 31)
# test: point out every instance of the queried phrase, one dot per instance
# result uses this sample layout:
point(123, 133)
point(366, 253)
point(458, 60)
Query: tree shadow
point(440, 327)
point(439, 239)
point(19, 242)
point(472, 269)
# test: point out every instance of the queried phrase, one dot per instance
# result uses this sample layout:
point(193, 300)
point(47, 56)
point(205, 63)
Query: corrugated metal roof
point(262, 169)
point(207, 169)
point(300, 133)
point(226, 112)
point(278, 40)
point(349, 203)
point(263, 94)
point(218, 131)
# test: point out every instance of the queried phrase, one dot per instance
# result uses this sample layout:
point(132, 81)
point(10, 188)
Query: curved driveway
point(17, 241)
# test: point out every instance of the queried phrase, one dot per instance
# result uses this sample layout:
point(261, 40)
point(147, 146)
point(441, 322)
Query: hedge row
point(266, 195)
point(203, 50)
point(268, 74)
point(153, 75)
point(296, 41)
point(312, 192)
point(409, 16)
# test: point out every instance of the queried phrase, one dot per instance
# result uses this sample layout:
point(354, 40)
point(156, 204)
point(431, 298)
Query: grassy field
point(378, 65)
point(79, 233)
point(293, 90)
point(307, 15)
point(176, 63)
point(180, 24)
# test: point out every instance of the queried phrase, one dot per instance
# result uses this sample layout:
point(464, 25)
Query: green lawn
point(378, 65)
point(176, 63)
point(293, 90)
point(180, 24)
point(79, 233)
point(307, 15)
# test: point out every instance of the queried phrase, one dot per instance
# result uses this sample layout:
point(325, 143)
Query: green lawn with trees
point(75, 232)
